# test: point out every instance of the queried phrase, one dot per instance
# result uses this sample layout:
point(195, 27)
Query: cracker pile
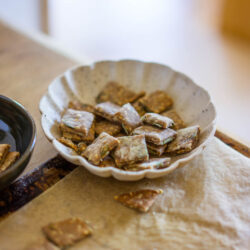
point(127, 130)
point(7, 158)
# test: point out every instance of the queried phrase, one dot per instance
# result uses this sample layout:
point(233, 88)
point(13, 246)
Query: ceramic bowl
point(18, 129)
point(83, 83)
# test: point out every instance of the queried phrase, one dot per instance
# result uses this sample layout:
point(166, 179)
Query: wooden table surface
point(26, 70)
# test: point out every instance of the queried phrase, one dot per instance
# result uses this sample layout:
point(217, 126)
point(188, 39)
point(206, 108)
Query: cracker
point(121, 134)
point(128, 117)
point(156, 150)
point(76, 136)
point(157, 102)
point(155, 135)
point(81, 146)
point(44, 245)
point(81, 106)
point(139, 107)
point(154, 163)
point(140, 200)
point(10, 159)
point(117, 94)
point(108, 127)
point(107, 162)
point(100, 148)
point(68, 143)
point(79, 121)
point(4, 149)
point(107, 110)
point(157, 120)
point(178, 122)
point(68, 232)
point(132, 149)
point(186, 140)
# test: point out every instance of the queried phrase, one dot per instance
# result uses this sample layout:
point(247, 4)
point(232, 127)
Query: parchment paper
point(205, 205)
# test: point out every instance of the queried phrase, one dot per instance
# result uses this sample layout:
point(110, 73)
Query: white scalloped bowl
point(83, 83)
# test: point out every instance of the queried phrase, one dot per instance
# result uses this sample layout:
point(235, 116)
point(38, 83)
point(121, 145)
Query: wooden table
point(26, 70)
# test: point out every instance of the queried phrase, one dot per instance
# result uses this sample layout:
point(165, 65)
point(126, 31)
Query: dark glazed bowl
point(18, 129)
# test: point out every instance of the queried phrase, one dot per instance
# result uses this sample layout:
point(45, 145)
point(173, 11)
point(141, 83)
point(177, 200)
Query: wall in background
point(24, 14)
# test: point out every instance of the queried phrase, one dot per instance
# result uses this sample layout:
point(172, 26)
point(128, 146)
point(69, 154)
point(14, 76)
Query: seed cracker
point(68, 143)
point(79, 121)
point(4, 149)
point(157, 102)
point(157, 120)
point(178, 122)
point(81, 106)
point(118, 94)
point(68, 232)
point(10, 159)
point(75, 136)
point(139, 107)
point(132, 149)
point(107, 110)
point(100, 148)
point(128, 117)
point(156, 150)
point(140, 200)
point(108, 127)
point(107, 162)
point(81, 146)
point(186, 140)
point(155, 135)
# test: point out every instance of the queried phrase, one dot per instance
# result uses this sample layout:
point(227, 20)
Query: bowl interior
point(17, 128)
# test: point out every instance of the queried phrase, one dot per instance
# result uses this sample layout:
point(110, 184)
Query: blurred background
point(207, 40)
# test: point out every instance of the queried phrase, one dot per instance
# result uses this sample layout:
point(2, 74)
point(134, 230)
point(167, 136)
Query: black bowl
point(18, 129)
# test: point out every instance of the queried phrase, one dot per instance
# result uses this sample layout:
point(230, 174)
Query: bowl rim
point(31, 144)
point(111, 171)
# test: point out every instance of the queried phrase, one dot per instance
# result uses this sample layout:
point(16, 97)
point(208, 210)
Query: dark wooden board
point(29, 186)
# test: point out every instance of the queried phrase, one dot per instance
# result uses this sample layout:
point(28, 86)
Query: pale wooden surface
point(26, 69)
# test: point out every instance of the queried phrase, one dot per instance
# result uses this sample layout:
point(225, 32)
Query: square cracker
point(4, 149)
point(9, 160)
point(107, 162)
point(157, 120)
point(68, 143)
point(81, 146)
point(140, 200)
point(139, 107)
point(156, 150)
point(128, 117)
point(107, 110)
point(178, 122)
point(132, 149)
point(117, 94)
point(186, 140)
point(108, 127)
point(75, 136)
point(68, 232)
point(79, 121)
point(157, 101)
point(81, 106)
point(153, 163)
point(155, 135)
point(100, 148)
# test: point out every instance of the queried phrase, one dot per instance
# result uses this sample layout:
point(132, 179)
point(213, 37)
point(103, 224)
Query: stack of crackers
point(7, 158)
point(127, 130)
